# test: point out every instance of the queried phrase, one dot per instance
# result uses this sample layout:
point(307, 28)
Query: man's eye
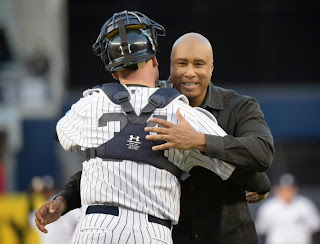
point(199, 64)
point(182, 63)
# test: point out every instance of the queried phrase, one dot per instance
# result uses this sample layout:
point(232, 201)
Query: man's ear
point(155, 62)
point(212, 66)
point(115, 75)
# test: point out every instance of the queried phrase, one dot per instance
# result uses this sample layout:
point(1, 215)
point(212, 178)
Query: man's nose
point(190, 72)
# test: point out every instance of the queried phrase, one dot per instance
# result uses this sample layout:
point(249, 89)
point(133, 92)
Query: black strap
point(118, 94)
point(98, 209)
point(123, 37)
point(111, 88)
point(163, 162)
point(155, 101)
point(164, 222)
point(172, 168)
point(169, 93)
point(159, 99)
point(131, 59)
point(113, 210)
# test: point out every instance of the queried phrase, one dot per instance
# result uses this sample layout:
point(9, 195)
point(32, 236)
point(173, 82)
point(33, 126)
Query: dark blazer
point(212, 210)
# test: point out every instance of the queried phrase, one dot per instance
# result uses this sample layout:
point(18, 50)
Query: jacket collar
point(213, 98)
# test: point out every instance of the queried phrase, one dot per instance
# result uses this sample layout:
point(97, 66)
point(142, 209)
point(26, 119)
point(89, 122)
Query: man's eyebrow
point(200, 60)
point(194, 61)
point(182, 59)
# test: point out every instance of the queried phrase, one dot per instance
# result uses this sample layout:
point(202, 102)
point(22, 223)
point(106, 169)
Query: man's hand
point(179, 136)
point(50, 212)
point(254, 197)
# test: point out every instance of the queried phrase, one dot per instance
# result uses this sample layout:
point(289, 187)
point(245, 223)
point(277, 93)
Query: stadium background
point(267, 49)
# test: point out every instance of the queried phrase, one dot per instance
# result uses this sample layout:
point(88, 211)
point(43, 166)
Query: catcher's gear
point(126, 39)
point(131, 143)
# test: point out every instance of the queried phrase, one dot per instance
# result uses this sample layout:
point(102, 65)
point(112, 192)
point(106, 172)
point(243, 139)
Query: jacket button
point(196, 235)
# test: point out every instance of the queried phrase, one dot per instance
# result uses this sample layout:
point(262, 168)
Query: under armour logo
point(132, 138)
point(134, 142)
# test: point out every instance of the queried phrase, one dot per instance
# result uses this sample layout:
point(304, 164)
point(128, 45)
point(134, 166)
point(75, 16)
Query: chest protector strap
point(130, 143)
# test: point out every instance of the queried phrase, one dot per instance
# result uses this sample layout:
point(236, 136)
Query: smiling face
point(192, 66)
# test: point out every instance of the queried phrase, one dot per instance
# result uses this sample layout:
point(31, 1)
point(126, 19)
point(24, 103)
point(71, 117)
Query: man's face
point(191, 70)
point(286, 193)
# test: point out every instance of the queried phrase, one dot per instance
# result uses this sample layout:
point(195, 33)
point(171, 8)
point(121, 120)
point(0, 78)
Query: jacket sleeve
point(71, 192)
point(251, 180)
point(249, 144)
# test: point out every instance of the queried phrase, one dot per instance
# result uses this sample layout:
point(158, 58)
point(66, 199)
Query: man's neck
point(139, 83)
point(196, 102)
point(146, 76)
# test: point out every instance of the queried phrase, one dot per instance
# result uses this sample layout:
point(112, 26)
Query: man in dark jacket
point(212, 210)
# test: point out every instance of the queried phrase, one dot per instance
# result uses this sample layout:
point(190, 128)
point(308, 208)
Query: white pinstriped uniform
point(138, 189)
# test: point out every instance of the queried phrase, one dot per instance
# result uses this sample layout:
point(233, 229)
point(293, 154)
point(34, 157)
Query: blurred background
point(266, 49)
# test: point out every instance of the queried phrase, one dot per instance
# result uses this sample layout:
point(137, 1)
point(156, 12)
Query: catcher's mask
point(127, 39)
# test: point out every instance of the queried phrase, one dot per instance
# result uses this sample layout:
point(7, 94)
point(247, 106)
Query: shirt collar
point(213, 98)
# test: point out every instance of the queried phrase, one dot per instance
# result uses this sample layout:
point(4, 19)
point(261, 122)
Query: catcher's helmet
point(126, 39)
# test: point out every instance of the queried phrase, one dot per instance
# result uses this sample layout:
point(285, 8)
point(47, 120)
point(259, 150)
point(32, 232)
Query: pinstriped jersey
point(126, 183)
